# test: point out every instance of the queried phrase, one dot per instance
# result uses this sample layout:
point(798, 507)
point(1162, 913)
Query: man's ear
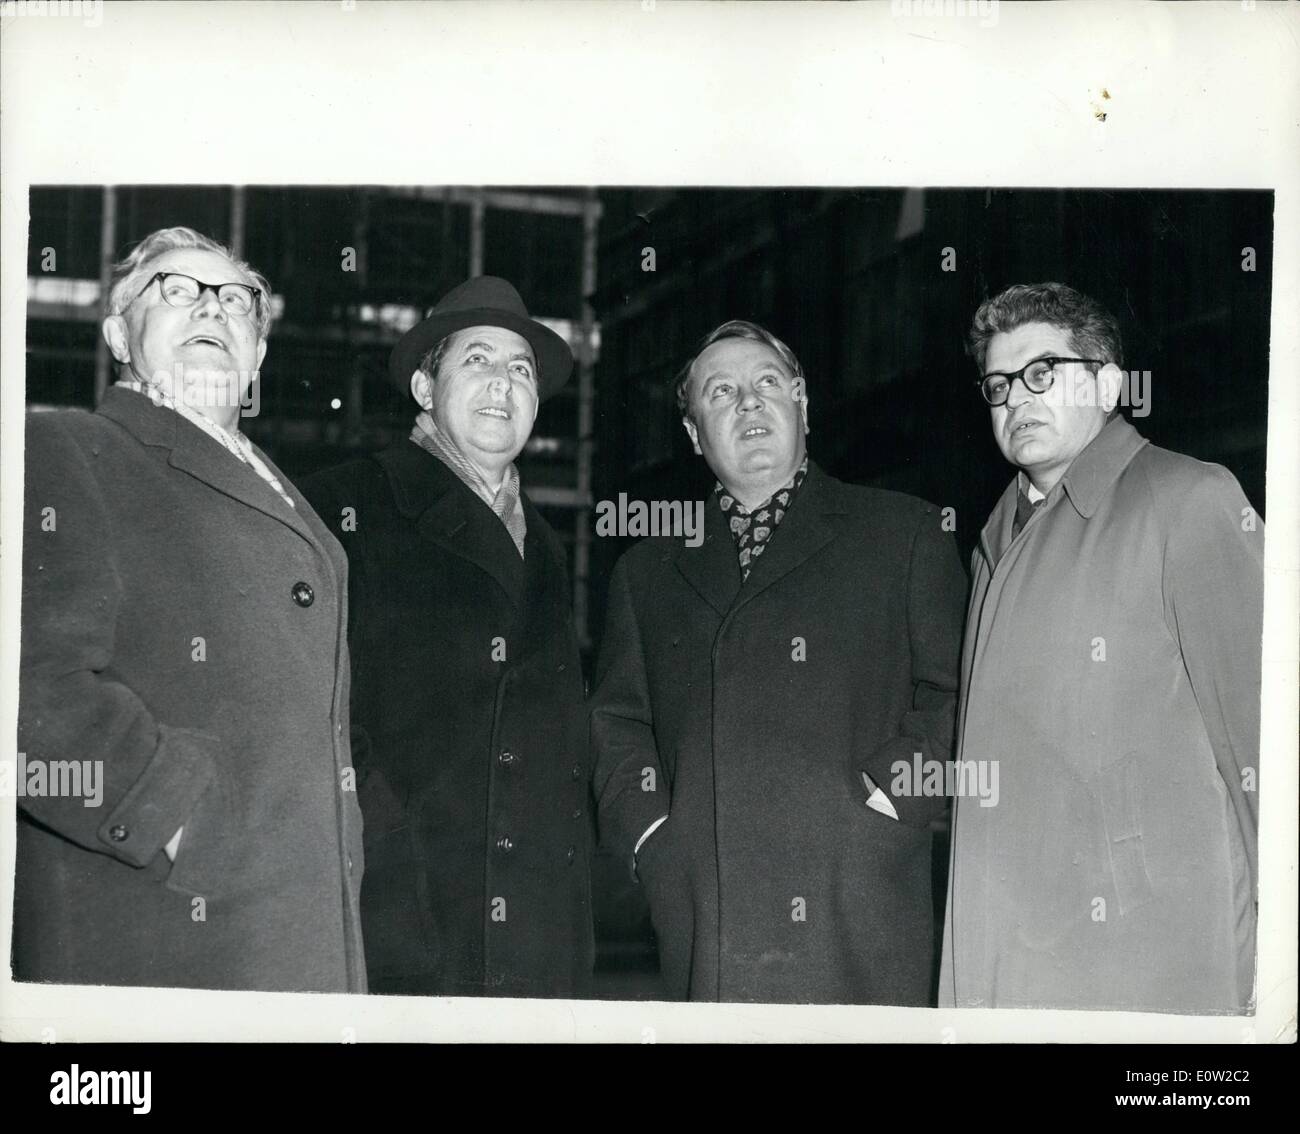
point(114, 331)
point(800, 394)
point(1110, 382)
point(689, 426)
point(422, 389)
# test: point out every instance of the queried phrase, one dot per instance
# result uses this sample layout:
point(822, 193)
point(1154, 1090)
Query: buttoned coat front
point(747, 713)
point(1112, 669)
point(183, 628)
point(471, 736)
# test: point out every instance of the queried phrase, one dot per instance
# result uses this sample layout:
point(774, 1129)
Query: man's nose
point(749, 399)
point(499, 383)
point(1015, 399)
point(209, 304)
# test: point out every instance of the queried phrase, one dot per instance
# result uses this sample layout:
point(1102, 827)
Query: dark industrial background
point(873, 289)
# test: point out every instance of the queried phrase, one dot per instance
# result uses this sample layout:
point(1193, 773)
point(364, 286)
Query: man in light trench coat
point(1112, 669)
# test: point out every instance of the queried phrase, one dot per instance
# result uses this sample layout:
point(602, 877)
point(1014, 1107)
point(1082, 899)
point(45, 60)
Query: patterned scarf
point(505, 502)
point(234, 443)
point(753, 531)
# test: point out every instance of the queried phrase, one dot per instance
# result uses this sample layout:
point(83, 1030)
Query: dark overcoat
point(185, 628)
point(748, 713)
point(1112, 669)
point(471, 736)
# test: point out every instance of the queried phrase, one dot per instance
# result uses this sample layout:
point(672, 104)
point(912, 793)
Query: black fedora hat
point(484, 301)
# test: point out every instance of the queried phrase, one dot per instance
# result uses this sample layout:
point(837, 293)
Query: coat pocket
point(1122, 814)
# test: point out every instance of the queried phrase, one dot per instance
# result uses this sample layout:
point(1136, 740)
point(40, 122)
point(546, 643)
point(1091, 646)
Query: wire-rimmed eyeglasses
point(1037, 376)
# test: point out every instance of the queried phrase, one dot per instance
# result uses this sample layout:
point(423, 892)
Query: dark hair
point(1093, 331)
point(432, 357)
point(732, 329)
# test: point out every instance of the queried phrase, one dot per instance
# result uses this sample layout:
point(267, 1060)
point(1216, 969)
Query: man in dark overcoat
point(468, 691)
point(184, 812)
point(761, 699)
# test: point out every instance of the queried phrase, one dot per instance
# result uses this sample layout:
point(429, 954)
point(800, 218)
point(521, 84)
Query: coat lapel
point(802, 533)
point(448, 514)
point(545, 610)
point(195, 453)
point(712, 568)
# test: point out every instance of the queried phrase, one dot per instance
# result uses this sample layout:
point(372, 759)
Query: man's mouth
point(755, 431)
point(494, 411)
point(1021, 426)
point(205, 340)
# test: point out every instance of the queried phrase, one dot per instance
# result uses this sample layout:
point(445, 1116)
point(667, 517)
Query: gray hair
point(130, 273)
point(732, 329)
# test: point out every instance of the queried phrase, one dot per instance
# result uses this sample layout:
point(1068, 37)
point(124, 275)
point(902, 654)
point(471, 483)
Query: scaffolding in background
point(347, 337)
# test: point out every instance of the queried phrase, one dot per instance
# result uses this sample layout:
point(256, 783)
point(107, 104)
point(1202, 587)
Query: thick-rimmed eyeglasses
point(1037, 376)
point(180, 290)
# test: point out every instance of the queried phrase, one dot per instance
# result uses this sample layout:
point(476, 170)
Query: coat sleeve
point(70, 709)
point(629, 783)
point(1214, 603)
point(936, 603)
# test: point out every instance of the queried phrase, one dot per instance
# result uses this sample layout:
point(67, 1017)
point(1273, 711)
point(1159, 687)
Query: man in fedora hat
point(468, 718)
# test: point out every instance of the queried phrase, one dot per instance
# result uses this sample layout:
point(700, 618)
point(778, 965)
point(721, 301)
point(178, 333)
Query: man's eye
point(720, 390)
point(767, 380)
point(476, 357)
point(523, 369)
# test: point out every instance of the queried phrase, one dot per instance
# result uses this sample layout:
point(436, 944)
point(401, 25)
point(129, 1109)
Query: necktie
point(1024, 509)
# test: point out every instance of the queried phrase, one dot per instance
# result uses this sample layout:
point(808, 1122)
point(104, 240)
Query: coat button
point(577, 812)
point(349, 864)
point(577, 771)
point(118, 834)
point(506, 757)
point(573, 853)
point(303, 595)
point(504, 844)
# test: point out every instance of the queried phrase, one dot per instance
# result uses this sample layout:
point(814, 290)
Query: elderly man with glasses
point(1112, 669)
point(186, 806)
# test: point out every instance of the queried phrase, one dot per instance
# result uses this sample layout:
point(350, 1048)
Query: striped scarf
point(505, 502)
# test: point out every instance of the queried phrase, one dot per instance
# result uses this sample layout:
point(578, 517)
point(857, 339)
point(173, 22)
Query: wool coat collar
point(193, 452)
point(713, 568)
point(1090, 477)
point(449, 514)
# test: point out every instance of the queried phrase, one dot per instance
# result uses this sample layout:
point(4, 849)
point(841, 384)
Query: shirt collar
point(1094, 470)
point(1027, 488)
